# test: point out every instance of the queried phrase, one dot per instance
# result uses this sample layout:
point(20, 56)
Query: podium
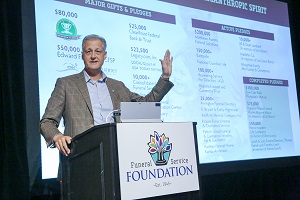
point(100, 165)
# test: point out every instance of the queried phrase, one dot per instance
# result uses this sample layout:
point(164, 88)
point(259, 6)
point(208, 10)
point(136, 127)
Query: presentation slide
point(233, 67)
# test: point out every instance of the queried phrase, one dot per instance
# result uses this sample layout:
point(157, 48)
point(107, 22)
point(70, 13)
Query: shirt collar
point(88, 79)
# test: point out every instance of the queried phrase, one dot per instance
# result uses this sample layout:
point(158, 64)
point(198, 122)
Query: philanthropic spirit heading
point(241, 5)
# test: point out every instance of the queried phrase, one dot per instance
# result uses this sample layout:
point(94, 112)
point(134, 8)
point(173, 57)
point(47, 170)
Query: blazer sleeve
point(53, 113)
point(157, 93)
point(119, 92)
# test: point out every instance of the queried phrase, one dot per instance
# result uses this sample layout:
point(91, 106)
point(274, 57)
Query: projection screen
point(233, 67)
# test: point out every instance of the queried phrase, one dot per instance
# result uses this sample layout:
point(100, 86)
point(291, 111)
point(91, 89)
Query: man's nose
point(93, 55)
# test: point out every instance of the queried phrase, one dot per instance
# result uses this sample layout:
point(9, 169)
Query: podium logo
point(66, 29)
point(159, 149)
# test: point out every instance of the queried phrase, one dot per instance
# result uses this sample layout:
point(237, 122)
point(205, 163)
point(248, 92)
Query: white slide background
point(236, 120)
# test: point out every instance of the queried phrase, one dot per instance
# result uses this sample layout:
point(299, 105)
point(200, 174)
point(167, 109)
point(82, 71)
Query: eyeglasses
point(90, 52)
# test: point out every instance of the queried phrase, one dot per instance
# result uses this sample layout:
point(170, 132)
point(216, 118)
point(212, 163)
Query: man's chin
point(94, 67)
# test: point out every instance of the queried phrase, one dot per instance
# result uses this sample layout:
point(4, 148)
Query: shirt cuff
point(165, 79)
point(52, 144)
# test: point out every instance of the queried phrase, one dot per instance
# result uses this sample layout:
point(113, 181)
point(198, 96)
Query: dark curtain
point(265, 184)
point(15, 177)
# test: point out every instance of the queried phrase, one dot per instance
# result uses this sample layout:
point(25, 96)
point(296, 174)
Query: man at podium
point(90, 97)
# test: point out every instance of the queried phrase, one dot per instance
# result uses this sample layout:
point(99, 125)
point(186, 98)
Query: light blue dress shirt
point(100, 98)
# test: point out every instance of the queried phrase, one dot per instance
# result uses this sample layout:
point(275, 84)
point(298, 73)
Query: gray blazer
point(70, 99)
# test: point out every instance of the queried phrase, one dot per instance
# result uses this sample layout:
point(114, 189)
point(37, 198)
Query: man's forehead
point(90, 43)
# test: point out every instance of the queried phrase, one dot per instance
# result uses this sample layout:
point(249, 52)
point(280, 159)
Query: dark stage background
point(20, 140)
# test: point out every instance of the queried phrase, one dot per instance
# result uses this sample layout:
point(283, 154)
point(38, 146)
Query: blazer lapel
point(81, 84)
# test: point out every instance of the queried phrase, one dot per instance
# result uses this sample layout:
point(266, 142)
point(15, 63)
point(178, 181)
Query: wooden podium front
point(91, 171)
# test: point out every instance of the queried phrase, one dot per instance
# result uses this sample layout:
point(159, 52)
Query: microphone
point(115, 113)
